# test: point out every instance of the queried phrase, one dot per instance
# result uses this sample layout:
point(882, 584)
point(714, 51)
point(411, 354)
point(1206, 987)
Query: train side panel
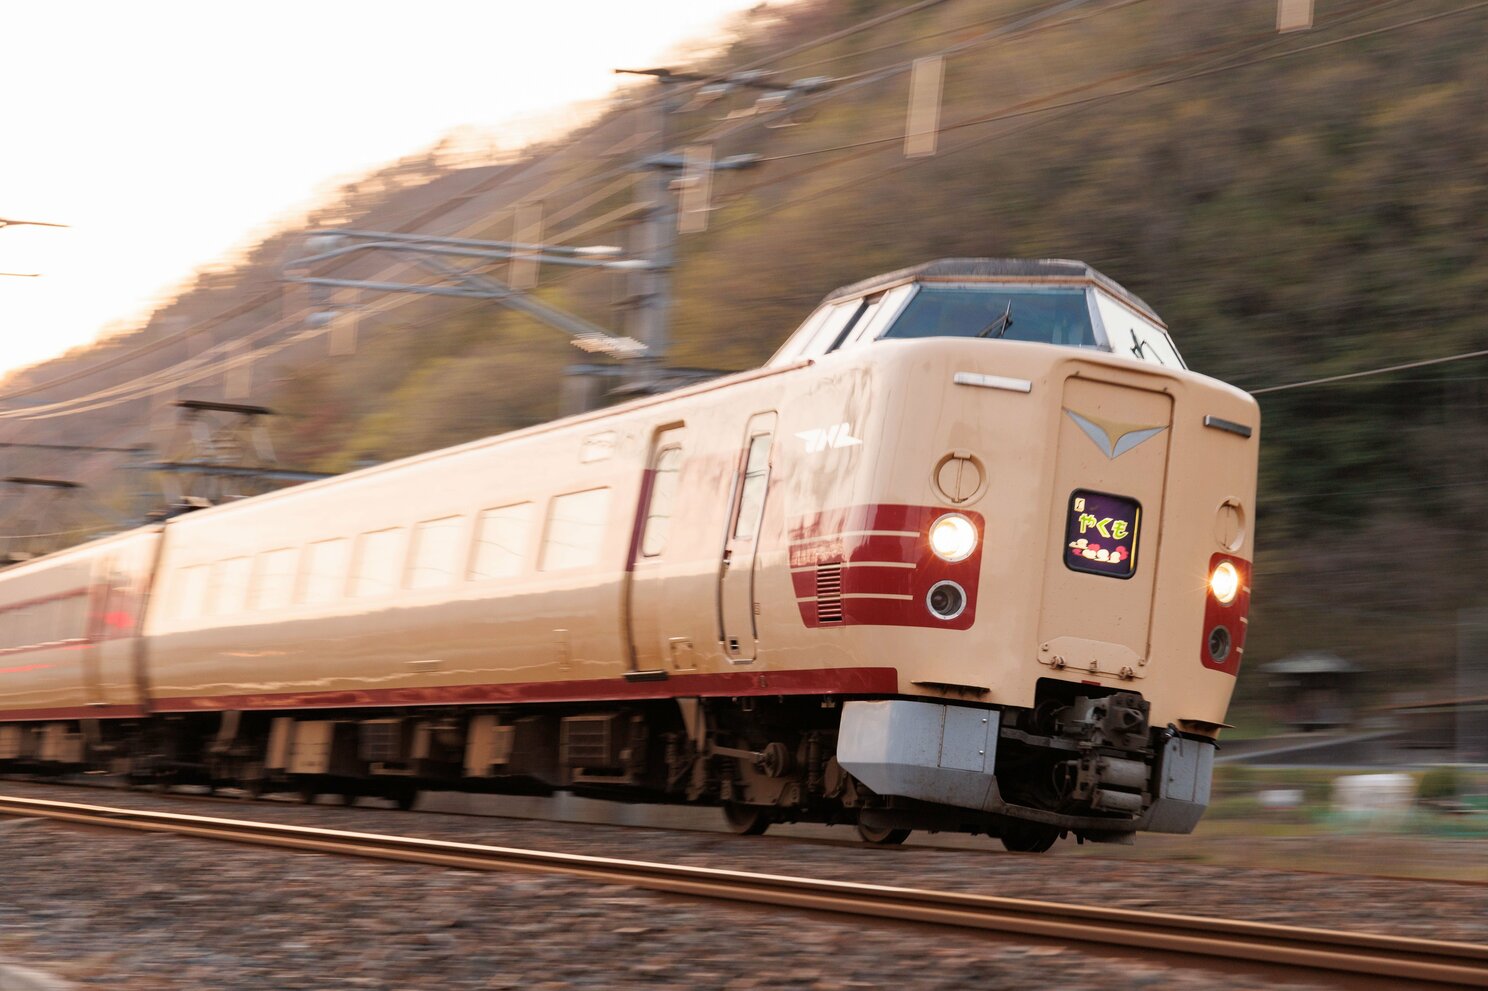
point(552, 616)
point(69, 622)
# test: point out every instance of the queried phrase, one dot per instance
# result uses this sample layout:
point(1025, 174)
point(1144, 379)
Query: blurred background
point(1298, 190)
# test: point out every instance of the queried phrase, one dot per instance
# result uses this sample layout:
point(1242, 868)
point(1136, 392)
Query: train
point(971, 552)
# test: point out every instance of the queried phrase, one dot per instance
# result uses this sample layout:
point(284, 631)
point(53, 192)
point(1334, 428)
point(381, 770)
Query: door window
point(752, 491)
point(663, 495)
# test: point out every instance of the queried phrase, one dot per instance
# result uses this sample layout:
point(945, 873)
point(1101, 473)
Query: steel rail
point(1421, 961)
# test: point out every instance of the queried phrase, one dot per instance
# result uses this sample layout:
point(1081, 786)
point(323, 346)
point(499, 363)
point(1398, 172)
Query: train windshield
point(1047, 316)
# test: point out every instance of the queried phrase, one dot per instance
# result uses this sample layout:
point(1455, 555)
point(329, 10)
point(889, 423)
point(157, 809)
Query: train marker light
point(946, 600)
point(1225, 582)
point(953, 537)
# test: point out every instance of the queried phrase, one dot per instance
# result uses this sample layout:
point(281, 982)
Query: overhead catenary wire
point(154, 383)
point(1464, 356)
point(1029, 111)
point(999, 116)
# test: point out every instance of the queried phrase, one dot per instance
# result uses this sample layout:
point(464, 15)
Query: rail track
point(1425, 963)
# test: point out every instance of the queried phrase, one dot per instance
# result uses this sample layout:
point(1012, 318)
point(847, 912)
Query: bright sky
point(165, 132)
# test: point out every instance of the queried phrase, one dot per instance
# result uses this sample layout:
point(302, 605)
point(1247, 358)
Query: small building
point(1313, 691)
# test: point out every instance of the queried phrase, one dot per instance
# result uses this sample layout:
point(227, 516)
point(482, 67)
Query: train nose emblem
point(821, 438)
point(1113, 438)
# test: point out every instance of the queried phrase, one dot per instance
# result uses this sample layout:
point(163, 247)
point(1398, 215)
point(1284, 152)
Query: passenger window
point(71, 618)
point(379, 560)
point(663, 494)
point(436, 552)
point(191, 591)
point(752, 493)
point(501, 537)
point(229, 593)
point(575, 530)
point(324, 577)
point(273, 585)
point(43, 631)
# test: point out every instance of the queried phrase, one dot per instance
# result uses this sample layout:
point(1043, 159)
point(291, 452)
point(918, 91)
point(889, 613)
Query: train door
point(647, 568)
point(1110, 471)
point(120, 587)
point(736, 598)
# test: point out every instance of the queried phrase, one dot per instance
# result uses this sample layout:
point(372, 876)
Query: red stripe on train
point(856, 538)
point(825, 681)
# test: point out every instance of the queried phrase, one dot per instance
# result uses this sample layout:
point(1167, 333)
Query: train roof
point(1010, 269)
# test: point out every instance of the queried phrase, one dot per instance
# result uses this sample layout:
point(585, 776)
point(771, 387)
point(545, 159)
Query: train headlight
point(1224, 582)
point(953, 537)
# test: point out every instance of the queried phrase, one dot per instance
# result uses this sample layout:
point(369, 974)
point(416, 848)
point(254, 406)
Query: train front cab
point(1079, 678)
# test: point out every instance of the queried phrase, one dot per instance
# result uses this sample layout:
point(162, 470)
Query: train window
point(435, 557)
point(663, 494)
point(77, 618)
point(501, 537)
point(1132, 334)
point(752, 494)
point(881, 310)
point(864, 315)
point(71, 618)
point(229, 593)
point(324, 576)
point(378, 562)
point(45, 630)
point(575, 530)
point(821, 333)
point(191, 591)
point(273, 582)
point(1048, 316)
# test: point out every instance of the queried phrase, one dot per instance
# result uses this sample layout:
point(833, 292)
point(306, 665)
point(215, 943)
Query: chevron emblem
point(1113, 438)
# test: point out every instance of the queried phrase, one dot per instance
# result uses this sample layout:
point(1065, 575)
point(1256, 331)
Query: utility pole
point(36, 541)
point(670, 176)
point(223, 452)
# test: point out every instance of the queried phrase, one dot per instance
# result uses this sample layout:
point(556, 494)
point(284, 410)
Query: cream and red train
point(971, 552)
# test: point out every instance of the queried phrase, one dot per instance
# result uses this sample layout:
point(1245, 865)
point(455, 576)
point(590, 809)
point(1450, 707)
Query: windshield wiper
point(1139, 348)
point(1001, 324)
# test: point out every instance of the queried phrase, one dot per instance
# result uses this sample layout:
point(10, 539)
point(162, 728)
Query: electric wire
point(1020, 111)
point(1103, 97)
point(153, 383)
point(1466, 355)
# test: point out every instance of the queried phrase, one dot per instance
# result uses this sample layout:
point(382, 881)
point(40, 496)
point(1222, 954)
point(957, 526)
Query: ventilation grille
point(829, 593)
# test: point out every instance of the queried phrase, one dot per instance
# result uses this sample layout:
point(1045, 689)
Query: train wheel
point(1028, 837)
point(882, 835)
point(404, 798)
point(746, 820)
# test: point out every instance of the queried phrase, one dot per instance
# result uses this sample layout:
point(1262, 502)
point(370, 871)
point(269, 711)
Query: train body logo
point(821, 438)
point(1113, 438)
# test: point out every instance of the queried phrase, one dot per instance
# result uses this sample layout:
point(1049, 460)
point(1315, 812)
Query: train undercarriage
point(1081, 761)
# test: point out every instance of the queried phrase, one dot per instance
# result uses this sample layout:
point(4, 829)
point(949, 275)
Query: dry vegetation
point(1297, 218)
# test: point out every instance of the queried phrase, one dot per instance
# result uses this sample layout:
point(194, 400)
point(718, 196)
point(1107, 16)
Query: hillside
point(1295, 206)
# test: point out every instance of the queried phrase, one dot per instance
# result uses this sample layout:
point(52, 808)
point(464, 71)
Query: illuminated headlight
point(1225, 582)
point(953, 537)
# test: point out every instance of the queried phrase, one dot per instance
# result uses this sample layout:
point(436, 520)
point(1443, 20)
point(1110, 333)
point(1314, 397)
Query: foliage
point(1297, 218)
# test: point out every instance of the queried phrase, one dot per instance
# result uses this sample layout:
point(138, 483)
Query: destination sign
point(1100, 534)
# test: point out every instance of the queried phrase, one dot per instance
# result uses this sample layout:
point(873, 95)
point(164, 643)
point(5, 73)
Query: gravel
point(132, 911)
point(140, 912)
